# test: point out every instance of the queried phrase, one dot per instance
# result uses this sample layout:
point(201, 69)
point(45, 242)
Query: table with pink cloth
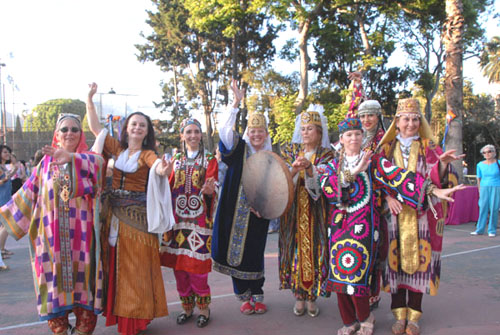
point(465, 208)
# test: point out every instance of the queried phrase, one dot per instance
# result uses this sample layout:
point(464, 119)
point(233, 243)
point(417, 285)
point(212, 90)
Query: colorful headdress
point(349, 124)
point(405, 107)
point(82, 143)
point(313, 115)
point(370, 107)
point(257, 120)
point(189, 121)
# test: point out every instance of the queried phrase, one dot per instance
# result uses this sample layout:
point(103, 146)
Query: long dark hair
point(2, 146)
point(149, 142)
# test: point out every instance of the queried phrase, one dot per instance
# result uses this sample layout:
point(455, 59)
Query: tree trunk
point(304, 64)
point(452, 36)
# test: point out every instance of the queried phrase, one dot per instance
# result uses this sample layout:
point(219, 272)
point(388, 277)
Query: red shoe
point(247, 308)
point(260, 308)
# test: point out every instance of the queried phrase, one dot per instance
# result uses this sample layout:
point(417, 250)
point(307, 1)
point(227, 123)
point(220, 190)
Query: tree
point(452, 36)
point(44, 116)
point(490, 60)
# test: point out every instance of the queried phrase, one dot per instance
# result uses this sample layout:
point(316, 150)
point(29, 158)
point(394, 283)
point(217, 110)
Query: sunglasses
point(487, 152)
point(72, 129)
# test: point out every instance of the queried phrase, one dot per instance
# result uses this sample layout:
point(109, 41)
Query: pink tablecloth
point(465, 208)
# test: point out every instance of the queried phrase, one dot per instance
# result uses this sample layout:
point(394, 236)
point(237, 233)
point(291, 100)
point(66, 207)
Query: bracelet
point(430, 189)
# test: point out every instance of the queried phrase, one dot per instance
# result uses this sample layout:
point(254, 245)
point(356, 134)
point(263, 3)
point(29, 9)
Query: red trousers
point(353, 308)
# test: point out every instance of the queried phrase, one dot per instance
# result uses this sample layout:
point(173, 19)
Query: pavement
point(468, 301)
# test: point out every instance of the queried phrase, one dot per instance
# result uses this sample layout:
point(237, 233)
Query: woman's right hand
point(239, 94)
point(93, 90)
point(394, 206)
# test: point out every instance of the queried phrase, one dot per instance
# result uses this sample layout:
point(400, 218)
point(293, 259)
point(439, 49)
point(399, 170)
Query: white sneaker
point(492, 235)
point(474, 233)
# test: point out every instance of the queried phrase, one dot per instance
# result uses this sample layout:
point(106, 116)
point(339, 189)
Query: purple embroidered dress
point(59, 208)
point(354, 230)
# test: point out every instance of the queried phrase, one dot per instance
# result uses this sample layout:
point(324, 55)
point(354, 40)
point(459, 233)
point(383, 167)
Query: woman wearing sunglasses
point(488, 181)
point(58, 208)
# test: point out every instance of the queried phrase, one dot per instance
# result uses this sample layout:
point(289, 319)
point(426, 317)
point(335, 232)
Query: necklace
point(350, 162)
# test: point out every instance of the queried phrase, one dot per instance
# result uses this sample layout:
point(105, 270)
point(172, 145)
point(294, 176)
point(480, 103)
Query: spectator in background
point(488, 182)
point(20, 173)
point(6, 173)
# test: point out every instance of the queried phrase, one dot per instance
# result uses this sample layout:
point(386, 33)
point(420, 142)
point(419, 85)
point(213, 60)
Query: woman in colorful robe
point(194, 198)
point(58, 206)
point(137, 209)
point(303, 252)
point(350, 184)
point(415, 240)
point(240, 234)
point(370, 115)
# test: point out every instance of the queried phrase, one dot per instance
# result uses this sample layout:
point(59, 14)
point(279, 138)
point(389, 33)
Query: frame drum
point(268, 184)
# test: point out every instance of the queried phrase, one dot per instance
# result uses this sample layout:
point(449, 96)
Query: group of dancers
point(365, 215)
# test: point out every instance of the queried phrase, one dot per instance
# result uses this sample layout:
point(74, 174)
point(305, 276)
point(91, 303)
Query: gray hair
point(488, 146)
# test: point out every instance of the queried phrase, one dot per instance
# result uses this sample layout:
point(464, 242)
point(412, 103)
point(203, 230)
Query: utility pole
point(2, 106)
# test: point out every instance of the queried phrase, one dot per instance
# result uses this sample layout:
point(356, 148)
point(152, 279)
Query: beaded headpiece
point(349, 124)
point(189, 121)
point(257, 120)
point(370, 107)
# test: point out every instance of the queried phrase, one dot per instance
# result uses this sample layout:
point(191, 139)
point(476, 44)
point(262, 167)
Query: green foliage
point(44, 116)
point(490, 60)
point(284, 115)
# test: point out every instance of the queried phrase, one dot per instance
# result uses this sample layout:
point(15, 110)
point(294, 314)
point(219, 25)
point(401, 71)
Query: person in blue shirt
point(488, 180)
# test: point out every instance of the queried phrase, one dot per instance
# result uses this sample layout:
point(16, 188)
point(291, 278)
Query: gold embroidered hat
point(310, 117)
point(257, 120)
point(409, 106)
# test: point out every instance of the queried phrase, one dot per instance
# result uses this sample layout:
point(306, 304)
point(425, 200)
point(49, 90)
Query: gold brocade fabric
point(407, 219)
point(305, 233)
point(304, 237)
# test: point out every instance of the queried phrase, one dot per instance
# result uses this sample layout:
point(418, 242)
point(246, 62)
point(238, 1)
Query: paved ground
point(468, 300)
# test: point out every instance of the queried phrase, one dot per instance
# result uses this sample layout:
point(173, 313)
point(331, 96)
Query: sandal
point(183, 318)
point(412, 328)
point(247, 308)
point(6, 252)
point(202, 320)
point(4, 268)
point(366, 327)
point(398, 328)
point(299, 311)
point(312, 312)
point(260, 308)
point(348, 330)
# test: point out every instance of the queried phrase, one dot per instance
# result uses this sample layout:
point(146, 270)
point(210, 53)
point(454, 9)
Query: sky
point(54, 48)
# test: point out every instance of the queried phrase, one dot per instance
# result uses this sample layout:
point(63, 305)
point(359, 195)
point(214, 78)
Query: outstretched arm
point(226, 128)
point(92, 119)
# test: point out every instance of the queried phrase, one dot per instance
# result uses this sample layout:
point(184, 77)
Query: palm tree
point(490, 60)
point(453, 41)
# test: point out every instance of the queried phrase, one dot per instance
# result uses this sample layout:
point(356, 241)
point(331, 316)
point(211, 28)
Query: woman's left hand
point(59, 155)
point(445, 193)
point(363, 163)
point(449, 156)
point(165, 167)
